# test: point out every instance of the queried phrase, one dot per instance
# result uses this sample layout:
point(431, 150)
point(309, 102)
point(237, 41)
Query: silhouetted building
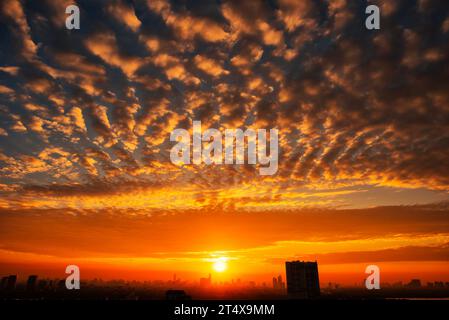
point(42, 285)
point(61, 285)
point(205, 282)
point(11, 283)
point(281, 283)
point(302, 279)
point(278, 284)
point(415, 283)
point(50, 284)
point(31, 283)
point(176, 295)
point(3, 283)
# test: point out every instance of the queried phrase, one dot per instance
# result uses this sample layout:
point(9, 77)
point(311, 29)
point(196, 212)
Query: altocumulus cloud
point(96, 107)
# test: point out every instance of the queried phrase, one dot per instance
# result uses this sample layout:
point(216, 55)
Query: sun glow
point(220, 265)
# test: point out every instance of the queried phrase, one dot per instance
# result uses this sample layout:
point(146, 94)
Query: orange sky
point(404, 241)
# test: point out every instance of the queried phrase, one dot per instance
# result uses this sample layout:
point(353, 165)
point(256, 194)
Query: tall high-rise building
point(31, 283)
point(3, 283)
point(278, 283)
point(302, 279)
point(281, 283)
point(11, 283)
point(275, 283)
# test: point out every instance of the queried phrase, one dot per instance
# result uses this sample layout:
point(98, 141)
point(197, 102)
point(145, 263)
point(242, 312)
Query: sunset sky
point(86, 117)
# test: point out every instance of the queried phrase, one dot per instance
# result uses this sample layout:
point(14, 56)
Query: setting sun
point(220, 265)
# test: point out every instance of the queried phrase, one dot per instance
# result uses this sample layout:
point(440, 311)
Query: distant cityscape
point(302, 282)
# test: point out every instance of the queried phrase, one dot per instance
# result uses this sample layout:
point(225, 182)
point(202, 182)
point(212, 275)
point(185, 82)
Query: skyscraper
point(281, 284)
point(278, 283)
point(3, 283)
point(275, 283)
point(11, 284)
point(302, 279)
point(31, 283)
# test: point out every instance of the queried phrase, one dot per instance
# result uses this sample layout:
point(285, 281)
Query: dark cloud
point(408, 253)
